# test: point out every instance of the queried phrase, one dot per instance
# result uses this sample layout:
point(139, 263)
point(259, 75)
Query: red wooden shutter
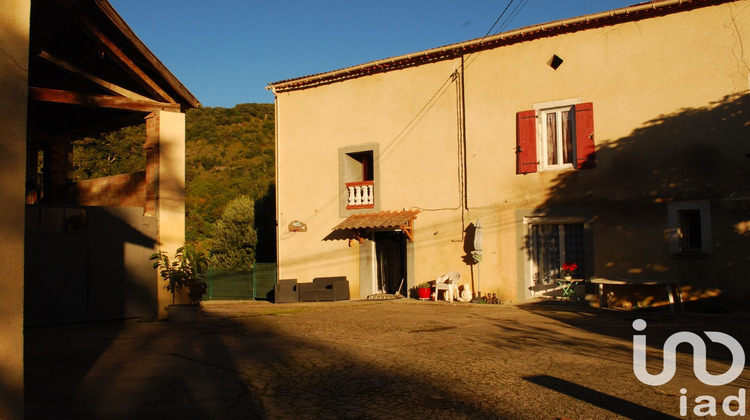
point(585, 156)
point(526, 142)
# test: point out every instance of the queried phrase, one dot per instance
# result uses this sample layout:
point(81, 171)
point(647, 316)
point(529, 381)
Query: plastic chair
point(448, 282)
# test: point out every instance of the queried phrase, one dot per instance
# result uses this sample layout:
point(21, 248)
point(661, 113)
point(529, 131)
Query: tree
point(234, 238)
point(113, 153)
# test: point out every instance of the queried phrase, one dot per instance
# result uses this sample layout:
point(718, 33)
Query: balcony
point(361, 195)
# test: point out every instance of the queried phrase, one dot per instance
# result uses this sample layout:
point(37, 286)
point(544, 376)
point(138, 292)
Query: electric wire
point(497, 20)
point(513, 14)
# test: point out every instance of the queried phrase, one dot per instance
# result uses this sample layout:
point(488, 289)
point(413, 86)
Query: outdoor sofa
point(324, 289)
point(286, 291)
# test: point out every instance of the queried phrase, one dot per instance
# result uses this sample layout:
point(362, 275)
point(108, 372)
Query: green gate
point(257, 283)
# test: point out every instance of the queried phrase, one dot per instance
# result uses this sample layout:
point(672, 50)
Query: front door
point(390, 252)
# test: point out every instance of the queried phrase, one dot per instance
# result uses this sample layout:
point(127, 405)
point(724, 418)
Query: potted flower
point(186, 270)
point(424, 290)
point(568, 269)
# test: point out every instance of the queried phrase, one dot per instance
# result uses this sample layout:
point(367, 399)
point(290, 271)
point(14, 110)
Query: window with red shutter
point(585, 156)
point(526, 157)
point(559, 136)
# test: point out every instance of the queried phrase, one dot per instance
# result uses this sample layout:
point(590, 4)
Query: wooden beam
point(98, 101)
point(408, 229)
point(180, 89)
point(110, 87)
point(123, 60)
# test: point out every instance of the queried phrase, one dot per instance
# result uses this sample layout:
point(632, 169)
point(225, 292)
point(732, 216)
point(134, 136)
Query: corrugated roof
point(380, 220)
point(630, 13)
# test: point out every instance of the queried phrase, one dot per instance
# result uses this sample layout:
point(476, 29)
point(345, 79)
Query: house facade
point(616, 141)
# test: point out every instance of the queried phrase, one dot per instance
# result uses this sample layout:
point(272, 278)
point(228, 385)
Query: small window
point(358, 176)
point(362, 166)
point(689, 228)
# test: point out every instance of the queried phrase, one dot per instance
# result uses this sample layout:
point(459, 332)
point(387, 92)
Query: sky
point(226, 52)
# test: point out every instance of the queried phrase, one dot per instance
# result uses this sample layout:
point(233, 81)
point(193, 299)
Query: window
point(358, 173)
point(361, 165)
point(551, 246)
point(689, 228)
point(555, 135)
point(557, 138)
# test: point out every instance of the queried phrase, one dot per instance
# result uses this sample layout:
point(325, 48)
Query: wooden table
point(675, 294)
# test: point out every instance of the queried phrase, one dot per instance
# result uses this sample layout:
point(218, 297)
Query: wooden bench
point(674, 294)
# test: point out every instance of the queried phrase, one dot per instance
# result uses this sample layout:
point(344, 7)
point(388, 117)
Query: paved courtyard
point(394, 359)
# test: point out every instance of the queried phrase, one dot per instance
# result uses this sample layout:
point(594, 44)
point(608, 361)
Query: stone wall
point(125, 190)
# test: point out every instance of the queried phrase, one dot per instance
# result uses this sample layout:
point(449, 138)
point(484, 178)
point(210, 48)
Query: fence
point(257, 283)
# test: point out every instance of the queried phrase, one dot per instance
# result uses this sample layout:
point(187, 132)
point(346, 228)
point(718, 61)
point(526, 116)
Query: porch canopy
point(403, 220)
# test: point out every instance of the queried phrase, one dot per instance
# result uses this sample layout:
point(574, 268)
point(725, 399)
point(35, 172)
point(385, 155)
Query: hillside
point(229, 153)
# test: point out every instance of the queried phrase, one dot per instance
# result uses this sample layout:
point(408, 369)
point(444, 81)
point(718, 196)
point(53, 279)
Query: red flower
point(570, 267)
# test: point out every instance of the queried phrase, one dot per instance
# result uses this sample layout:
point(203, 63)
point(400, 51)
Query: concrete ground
point(397, 359)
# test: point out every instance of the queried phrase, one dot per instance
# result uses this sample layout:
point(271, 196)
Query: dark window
point(690, 230)
point(365, 162)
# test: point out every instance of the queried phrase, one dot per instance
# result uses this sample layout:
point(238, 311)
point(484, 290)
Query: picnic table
point(674, 293)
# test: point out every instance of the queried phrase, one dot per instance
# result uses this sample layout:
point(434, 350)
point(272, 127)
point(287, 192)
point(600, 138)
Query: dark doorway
point(390, 251)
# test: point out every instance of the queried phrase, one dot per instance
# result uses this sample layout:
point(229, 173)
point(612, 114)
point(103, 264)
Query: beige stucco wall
point(667, 129)
point(170, 201)
point(14, 44)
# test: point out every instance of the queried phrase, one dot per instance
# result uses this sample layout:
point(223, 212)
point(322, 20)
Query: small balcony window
point(359, 172)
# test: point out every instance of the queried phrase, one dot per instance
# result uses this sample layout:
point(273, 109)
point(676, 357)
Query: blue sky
point(227, 51)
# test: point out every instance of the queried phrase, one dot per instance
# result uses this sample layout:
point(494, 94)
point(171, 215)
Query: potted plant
point(424, 290)
point(568, 269)
point(186, 270)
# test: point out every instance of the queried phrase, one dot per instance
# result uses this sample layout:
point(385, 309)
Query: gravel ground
point(393, 359)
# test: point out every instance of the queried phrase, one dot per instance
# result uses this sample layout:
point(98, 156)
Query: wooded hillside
point(229, 153)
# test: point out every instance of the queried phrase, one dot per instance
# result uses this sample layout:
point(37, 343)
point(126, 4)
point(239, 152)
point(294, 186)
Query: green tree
point(229, 152)
point(113, 153)
point(234, 236)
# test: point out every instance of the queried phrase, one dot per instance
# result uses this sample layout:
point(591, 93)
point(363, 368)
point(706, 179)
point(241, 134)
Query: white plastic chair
point(448, 282)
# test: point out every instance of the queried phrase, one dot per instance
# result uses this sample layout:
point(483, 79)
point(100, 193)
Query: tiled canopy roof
point(383, 219)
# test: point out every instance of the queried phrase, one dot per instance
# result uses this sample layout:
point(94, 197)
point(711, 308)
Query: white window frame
point(675, 234)
point(557, 107)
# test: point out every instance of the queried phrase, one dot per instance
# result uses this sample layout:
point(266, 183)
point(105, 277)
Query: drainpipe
point(276, 181)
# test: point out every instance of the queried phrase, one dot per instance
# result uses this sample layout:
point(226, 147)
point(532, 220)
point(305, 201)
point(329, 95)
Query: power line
point(513, 14)
point(498, 19)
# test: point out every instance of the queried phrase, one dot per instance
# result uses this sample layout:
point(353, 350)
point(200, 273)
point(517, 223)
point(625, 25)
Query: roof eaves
point(635, 12)
point(109, 11)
